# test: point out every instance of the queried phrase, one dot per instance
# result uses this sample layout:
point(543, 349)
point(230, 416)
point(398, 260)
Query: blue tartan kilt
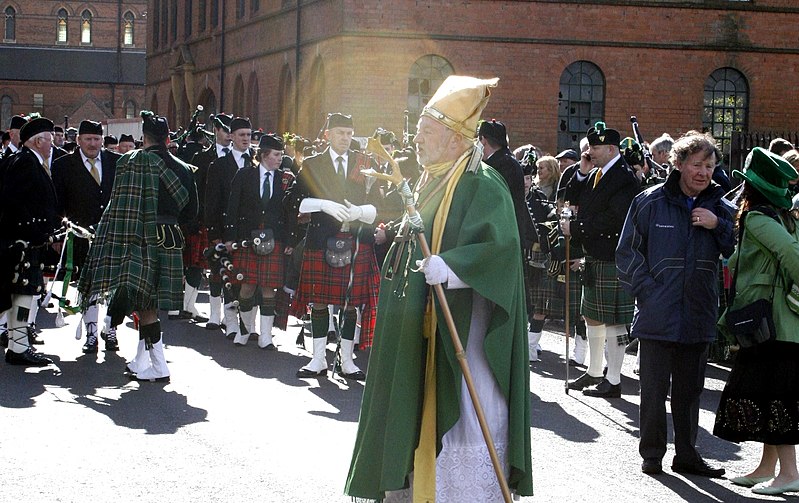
point(604, 299)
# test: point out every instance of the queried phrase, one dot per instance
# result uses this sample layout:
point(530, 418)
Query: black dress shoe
point(651, 466)
point(111, 343)
point(358, 375)
point(231, 335)
point(212, 326)
point(584, 381)
point(604, 390)
point(269, 347)
point(33, 337)
point(91, 344)
point(311, 373)
point(172, 316)
point(28, 358)
point(697, 468)
point(4, 339)
point(134, 377)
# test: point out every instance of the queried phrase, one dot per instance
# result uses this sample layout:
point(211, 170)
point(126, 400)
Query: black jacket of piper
point(318, 179)
point(506, 164)
point(246, 211)
point(79, 197)
point(602, 209)
point(217, 193)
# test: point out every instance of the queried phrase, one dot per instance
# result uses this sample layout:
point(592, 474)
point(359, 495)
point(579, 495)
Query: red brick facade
point(99, 79)
point(654, 59)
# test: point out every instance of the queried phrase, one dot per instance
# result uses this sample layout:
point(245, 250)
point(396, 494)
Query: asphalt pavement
point(236, 425)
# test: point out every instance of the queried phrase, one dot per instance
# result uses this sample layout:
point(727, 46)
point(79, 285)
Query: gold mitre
point(458, 103)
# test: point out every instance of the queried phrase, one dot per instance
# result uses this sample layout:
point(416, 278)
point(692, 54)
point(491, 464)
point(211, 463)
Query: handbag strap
point(741, 229)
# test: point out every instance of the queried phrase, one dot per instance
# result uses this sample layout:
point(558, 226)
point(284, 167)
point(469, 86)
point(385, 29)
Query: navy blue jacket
point(670, 266)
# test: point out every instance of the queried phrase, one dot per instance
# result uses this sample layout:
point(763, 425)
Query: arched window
point(127, 35)
point(154, 103)
point(10, 31)
point(214, 13)
point(314, 92)
point(581, 102)
point(285, 116)
point(239, 9)
point(130, 109)
point(86, 27)
point(255, 5)
point(253, 95)
point(427, 73)
point(61, 26)
point(726, 105)
point(238, 98)
point(6, 104)
point(202, 7)
point(188, 18)
point(156, 22)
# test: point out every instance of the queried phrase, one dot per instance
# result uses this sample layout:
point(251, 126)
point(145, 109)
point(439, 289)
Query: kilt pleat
point(193, 249)
point(266, 271)
point(604, 299)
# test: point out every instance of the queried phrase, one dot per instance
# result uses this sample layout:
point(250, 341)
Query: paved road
point(235, 425)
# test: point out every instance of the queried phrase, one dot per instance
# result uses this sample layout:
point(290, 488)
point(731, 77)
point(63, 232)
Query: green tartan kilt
point(557, 302)
point(169, 271)
point(604, 299)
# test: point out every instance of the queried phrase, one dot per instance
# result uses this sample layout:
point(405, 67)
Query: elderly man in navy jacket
point(668, 259)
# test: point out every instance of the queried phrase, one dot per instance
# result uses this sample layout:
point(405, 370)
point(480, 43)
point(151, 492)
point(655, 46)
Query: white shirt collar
point(334, 156)
point(219, 151)
point(607, 166)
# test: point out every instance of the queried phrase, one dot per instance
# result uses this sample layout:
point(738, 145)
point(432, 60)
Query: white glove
point(365, 213)
point(332, 208)
point(434, 268)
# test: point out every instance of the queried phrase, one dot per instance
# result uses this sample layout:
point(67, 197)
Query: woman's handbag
point(753, 323)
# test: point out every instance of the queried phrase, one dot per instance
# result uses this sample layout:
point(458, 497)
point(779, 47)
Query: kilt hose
point(193, 249)
point(323, 284)
point(266, 271)
point(604, 300)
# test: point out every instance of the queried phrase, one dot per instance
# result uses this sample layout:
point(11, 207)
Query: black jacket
point(602, 209)
point(79, 197)
point(246, 212)
point(503, 161)
point(217, 193)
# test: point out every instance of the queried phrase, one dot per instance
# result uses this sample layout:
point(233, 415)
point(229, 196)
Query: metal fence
point(743, 142)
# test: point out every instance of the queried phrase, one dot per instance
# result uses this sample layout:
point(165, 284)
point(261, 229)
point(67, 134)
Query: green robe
point(481, 246)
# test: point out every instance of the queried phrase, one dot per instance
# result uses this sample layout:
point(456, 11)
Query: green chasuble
point(481, 246)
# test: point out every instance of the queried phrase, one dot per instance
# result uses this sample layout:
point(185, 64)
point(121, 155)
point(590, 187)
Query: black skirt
point(760, 402)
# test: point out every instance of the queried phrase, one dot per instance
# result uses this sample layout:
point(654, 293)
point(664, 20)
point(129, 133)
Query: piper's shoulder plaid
point(603, 297)
point(322, 284)
point(196, 243)
point(266, 271)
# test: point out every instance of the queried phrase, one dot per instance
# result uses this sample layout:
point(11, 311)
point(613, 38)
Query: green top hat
point(769, 174)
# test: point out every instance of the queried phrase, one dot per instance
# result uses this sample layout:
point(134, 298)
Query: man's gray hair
point(662, 144)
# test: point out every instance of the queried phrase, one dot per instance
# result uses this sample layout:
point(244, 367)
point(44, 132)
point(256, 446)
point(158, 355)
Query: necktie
point(598, 176)
point(340, 169)
point(225, 151)
point(46, 164)
point(246, 159)
point(266, 190)
point(94, 171)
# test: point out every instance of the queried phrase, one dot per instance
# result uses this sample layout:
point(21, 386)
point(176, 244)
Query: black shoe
point(4, 339)
point(212, 326)
point(134, 377)
point(651, 467)
point(28, 358)
point(91, 344)
point(573, 363)
point(173, 316)
point(358, 375)
point(311, 373)
point(111, 343)
point(698, 467)
point(604, 390)
point(269, 347)
point(231, 335)
point(331, 336)
point(584, 381)
point(33, 338)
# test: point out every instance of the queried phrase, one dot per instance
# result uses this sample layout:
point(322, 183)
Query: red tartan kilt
point(193, 249)
point(322, 284)
point(267, 271)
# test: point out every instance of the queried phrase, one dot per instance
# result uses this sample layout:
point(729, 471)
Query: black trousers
point(683, 367)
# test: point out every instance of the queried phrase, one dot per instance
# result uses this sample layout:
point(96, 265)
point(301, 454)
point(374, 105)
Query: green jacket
point(764, 243)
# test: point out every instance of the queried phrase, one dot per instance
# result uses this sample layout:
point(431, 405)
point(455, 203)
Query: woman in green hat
point(761, 398)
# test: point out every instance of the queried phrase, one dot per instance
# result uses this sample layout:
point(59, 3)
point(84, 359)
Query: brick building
point(676, 64)
point(82, 60)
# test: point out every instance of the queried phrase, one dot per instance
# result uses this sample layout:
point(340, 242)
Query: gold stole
point(424, 460)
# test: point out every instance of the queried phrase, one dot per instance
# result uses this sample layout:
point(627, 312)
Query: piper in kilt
point(602, 189)
point(202, 160)
point(255, 209)
point(27, 215)
point(136, 259)
point(339, 265)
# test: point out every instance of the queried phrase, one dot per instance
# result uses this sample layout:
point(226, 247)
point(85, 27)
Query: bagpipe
point(221, 262)
point(655, 169)
point(69, 230)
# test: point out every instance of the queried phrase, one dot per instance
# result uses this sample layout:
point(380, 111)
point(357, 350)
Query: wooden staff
point(395, 177)
point(566, 214)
